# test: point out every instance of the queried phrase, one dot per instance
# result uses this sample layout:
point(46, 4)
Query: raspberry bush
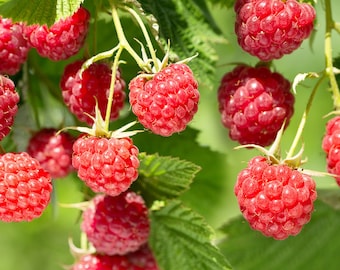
point(169, 134)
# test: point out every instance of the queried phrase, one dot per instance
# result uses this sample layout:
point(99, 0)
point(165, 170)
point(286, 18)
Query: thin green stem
point(122, 39)
point(146, 36)
point(304, 119)
point(328, 54)
point(112, 87)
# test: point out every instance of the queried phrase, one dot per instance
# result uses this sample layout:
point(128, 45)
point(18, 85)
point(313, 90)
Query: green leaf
point(226, 3)
point(38, 11)
point(177, 21)
point(312, 249)
point(180, 239)
point(211, 183)
point(164, 177)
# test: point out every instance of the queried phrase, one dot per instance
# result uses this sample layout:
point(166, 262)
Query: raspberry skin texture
point(25, 187)
point(254, 103)
point(106, 165)
point(270, 29)
point(53, 151)
point(166, 103)
point(141, 259)
point(13, 46)
point(61, 40)
point(81, 92)
point(9, 99)
point(331, 146)
point(116, 225)
point(275, 199)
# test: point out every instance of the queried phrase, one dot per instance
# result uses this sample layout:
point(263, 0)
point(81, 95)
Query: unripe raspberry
point(80, 93)
point(270, 29)
point(9, 99)
point(275, 199)
point(331, 146)
point(106, 165)
point(13, 46)
point(116, 225)
point(53, 151)
point(254, 103)
point(166, 103)
point(25, 188)
point(61, 40)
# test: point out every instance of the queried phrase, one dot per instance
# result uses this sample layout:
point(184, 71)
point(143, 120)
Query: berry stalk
point(330, 25)
point(303, 120)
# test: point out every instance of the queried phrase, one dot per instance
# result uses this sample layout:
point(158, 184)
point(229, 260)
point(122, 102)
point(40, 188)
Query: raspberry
point(166, 103)
point(254, 103)
point(116, 225)
point(81, 92)
point(52, 150)
point(275, 199)
point(270, 29)
point(61, 40)
point(106, 165)
point(331, 146)
point(9, 99)
point(25, 187)
point(142, 259)
point(13, 46)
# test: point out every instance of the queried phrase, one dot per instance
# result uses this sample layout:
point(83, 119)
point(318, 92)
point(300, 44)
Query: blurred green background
point(43, 243)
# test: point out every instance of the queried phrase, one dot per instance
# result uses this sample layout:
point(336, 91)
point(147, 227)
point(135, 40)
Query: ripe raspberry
point(254, 103)
point(166, 103)
point(9, 99)
point(80, 93)
point(270, 29)
point(61, 40)
point(116, 225)
point(52, 150)
point(25, 187)
point(275, 199)
point(13, 46)
point(331, 146)
point(106, 165)
point(142, 259)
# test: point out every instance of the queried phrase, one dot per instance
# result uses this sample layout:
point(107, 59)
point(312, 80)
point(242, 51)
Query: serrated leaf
point(312, 249)
point(163, 178)
point(177, 21)
point(180, 239)
point(38, 11)
point(211, 182)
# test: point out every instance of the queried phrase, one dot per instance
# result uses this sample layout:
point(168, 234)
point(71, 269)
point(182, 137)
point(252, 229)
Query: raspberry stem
point(303, 119)
point(146, 36)
point(112, 87)
point(330, 25)
point(123, 41)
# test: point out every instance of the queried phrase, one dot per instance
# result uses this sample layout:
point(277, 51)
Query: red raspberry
point(61, 40)
point(331, 146)
point(166, 103)
point(13, 46)
point(80, 93)
point(53, 151)
point(25, 187)
point(254, 103)
point(142, 259)
point(9, 99)
point(106, 165)
point(275, 199)
point(116, 225)
point(270, 29)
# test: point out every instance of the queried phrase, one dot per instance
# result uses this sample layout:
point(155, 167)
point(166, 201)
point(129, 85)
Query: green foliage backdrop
point(43, 242)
